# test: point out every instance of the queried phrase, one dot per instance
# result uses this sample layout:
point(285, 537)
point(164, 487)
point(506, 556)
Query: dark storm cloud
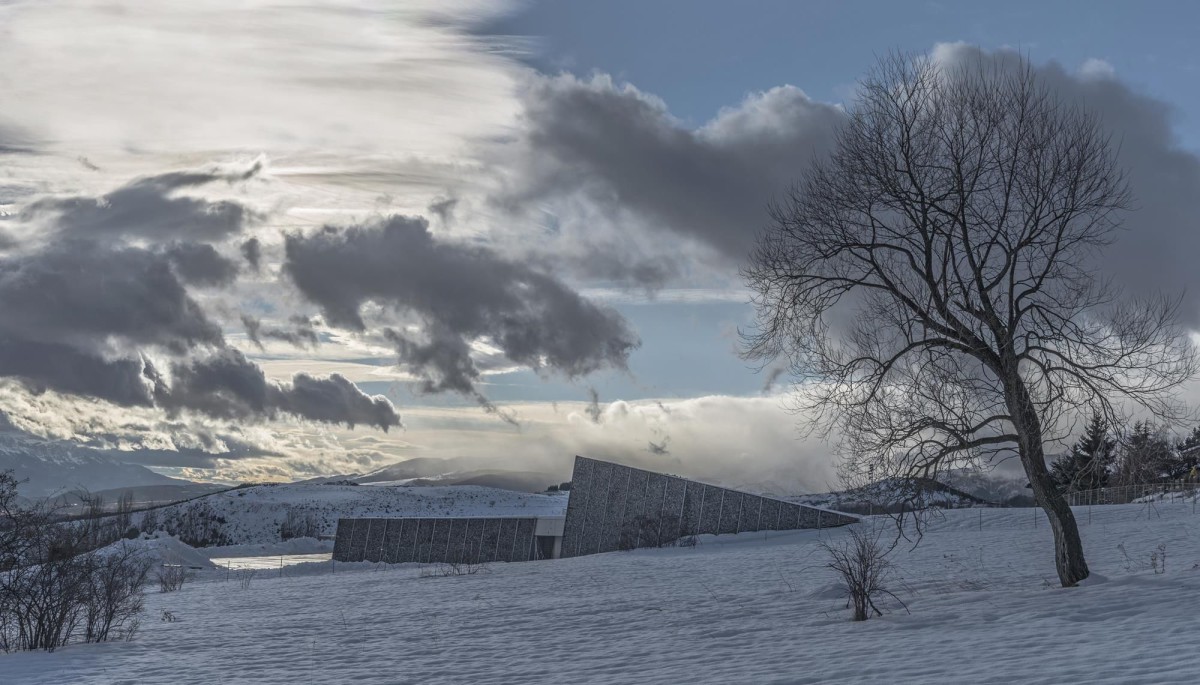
point(445, 359)
point(334, 400)
point(200, 264)
point(148, 208)
point(82, 318)
point(86, 295)
point(461, 292)
point(445, 364)
point(42, 366)
point(1156, 250)
point(252, 251)
point(623, 151)
point(303, 335)
point(229, 386)
point(620, 150)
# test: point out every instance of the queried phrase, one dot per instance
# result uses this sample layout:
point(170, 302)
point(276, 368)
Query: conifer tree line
point(1107, 455)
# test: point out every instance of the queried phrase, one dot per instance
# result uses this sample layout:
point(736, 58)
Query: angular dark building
point(611, 507)
point(618, 507)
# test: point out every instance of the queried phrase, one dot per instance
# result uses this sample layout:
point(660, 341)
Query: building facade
point(611, 507)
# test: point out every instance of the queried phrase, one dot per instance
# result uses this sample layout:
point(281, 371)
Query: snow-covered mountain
point(54, 467)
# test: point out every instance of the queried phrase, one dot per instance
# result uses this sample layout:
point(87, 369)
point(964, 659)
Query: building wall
point(619, 507)
point(434, 540)
point(611, 507)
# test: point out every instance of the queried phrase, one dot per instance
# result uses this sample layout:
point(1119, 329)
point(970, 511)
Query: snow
point(756, 607)
point(164, 549)
point(274, 562)
point(287, 547)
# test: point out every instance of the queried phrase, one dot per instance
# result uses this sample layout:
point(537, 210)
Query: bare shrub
point(1158, 560)
point(299, 525)
point(55, 587)
point(861, 560)
point(452, 568)
point(115, 599)
point(149, 522)
point(244, 577)
point(171, 577)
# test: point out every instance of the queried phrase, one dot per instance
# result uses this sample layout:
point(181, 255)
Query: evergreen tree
point(1086, 466)
point(1146, 456)
point(1187, 453)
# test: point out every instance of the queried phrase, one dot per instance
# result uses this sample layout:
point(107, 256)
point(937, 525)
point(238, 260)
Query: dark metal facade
point(436, 540)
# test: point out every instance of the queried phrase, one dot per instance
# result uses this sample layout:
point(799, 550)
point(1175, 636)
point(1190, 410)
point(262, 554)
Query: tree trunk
point(1068, 547)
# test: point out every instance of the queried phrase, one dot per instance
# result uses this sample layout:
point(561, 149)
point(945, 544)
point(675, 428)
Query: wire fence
point(1126, 494)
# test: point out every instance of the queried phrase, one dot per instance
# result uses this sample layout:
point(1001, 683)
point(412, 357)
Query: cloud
point(200, 264)
point(444, 364)
point(148, 208)
point(12, 141)
point(42, 366)
point(593, 409)
point(89, 318)
point(228, 386)
point(334, 400)
point(1155, 251)
point(94, 296)
point(602, 166)
point(225, 75)
point(252, 251)
point(302, 336)
point(460, 293)
point(621, 150)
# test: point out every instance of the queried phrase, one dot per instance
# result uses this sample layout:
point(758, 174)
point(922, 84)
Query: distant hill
point(431, 471)
point(892, 494)
point(1009, 491)
point(149, 495)
point(55, 467)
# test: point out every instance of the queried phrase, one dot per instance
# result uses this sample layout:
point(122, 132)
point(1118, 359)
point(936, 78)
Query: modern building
point(611, 507)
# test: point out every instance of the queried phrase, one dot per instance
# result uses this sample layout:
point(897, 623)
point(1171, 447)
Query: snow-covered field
point(752, 608)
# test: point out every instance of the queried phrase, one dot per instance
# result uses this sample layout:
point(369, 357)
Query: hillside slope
point(751, 608)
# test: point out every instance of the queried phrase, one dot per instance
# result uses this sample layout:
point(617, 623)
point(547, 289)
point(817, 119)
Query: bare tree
point(930, 283)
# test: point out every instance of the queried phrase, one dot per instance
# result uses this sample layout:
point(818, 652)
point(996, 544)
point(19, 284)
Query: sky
point(249, 240)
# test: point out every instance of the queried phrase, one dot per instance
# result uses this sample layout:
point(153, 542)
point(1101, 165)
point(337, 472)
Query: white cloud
point(1096, 69)
point(365, 75)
